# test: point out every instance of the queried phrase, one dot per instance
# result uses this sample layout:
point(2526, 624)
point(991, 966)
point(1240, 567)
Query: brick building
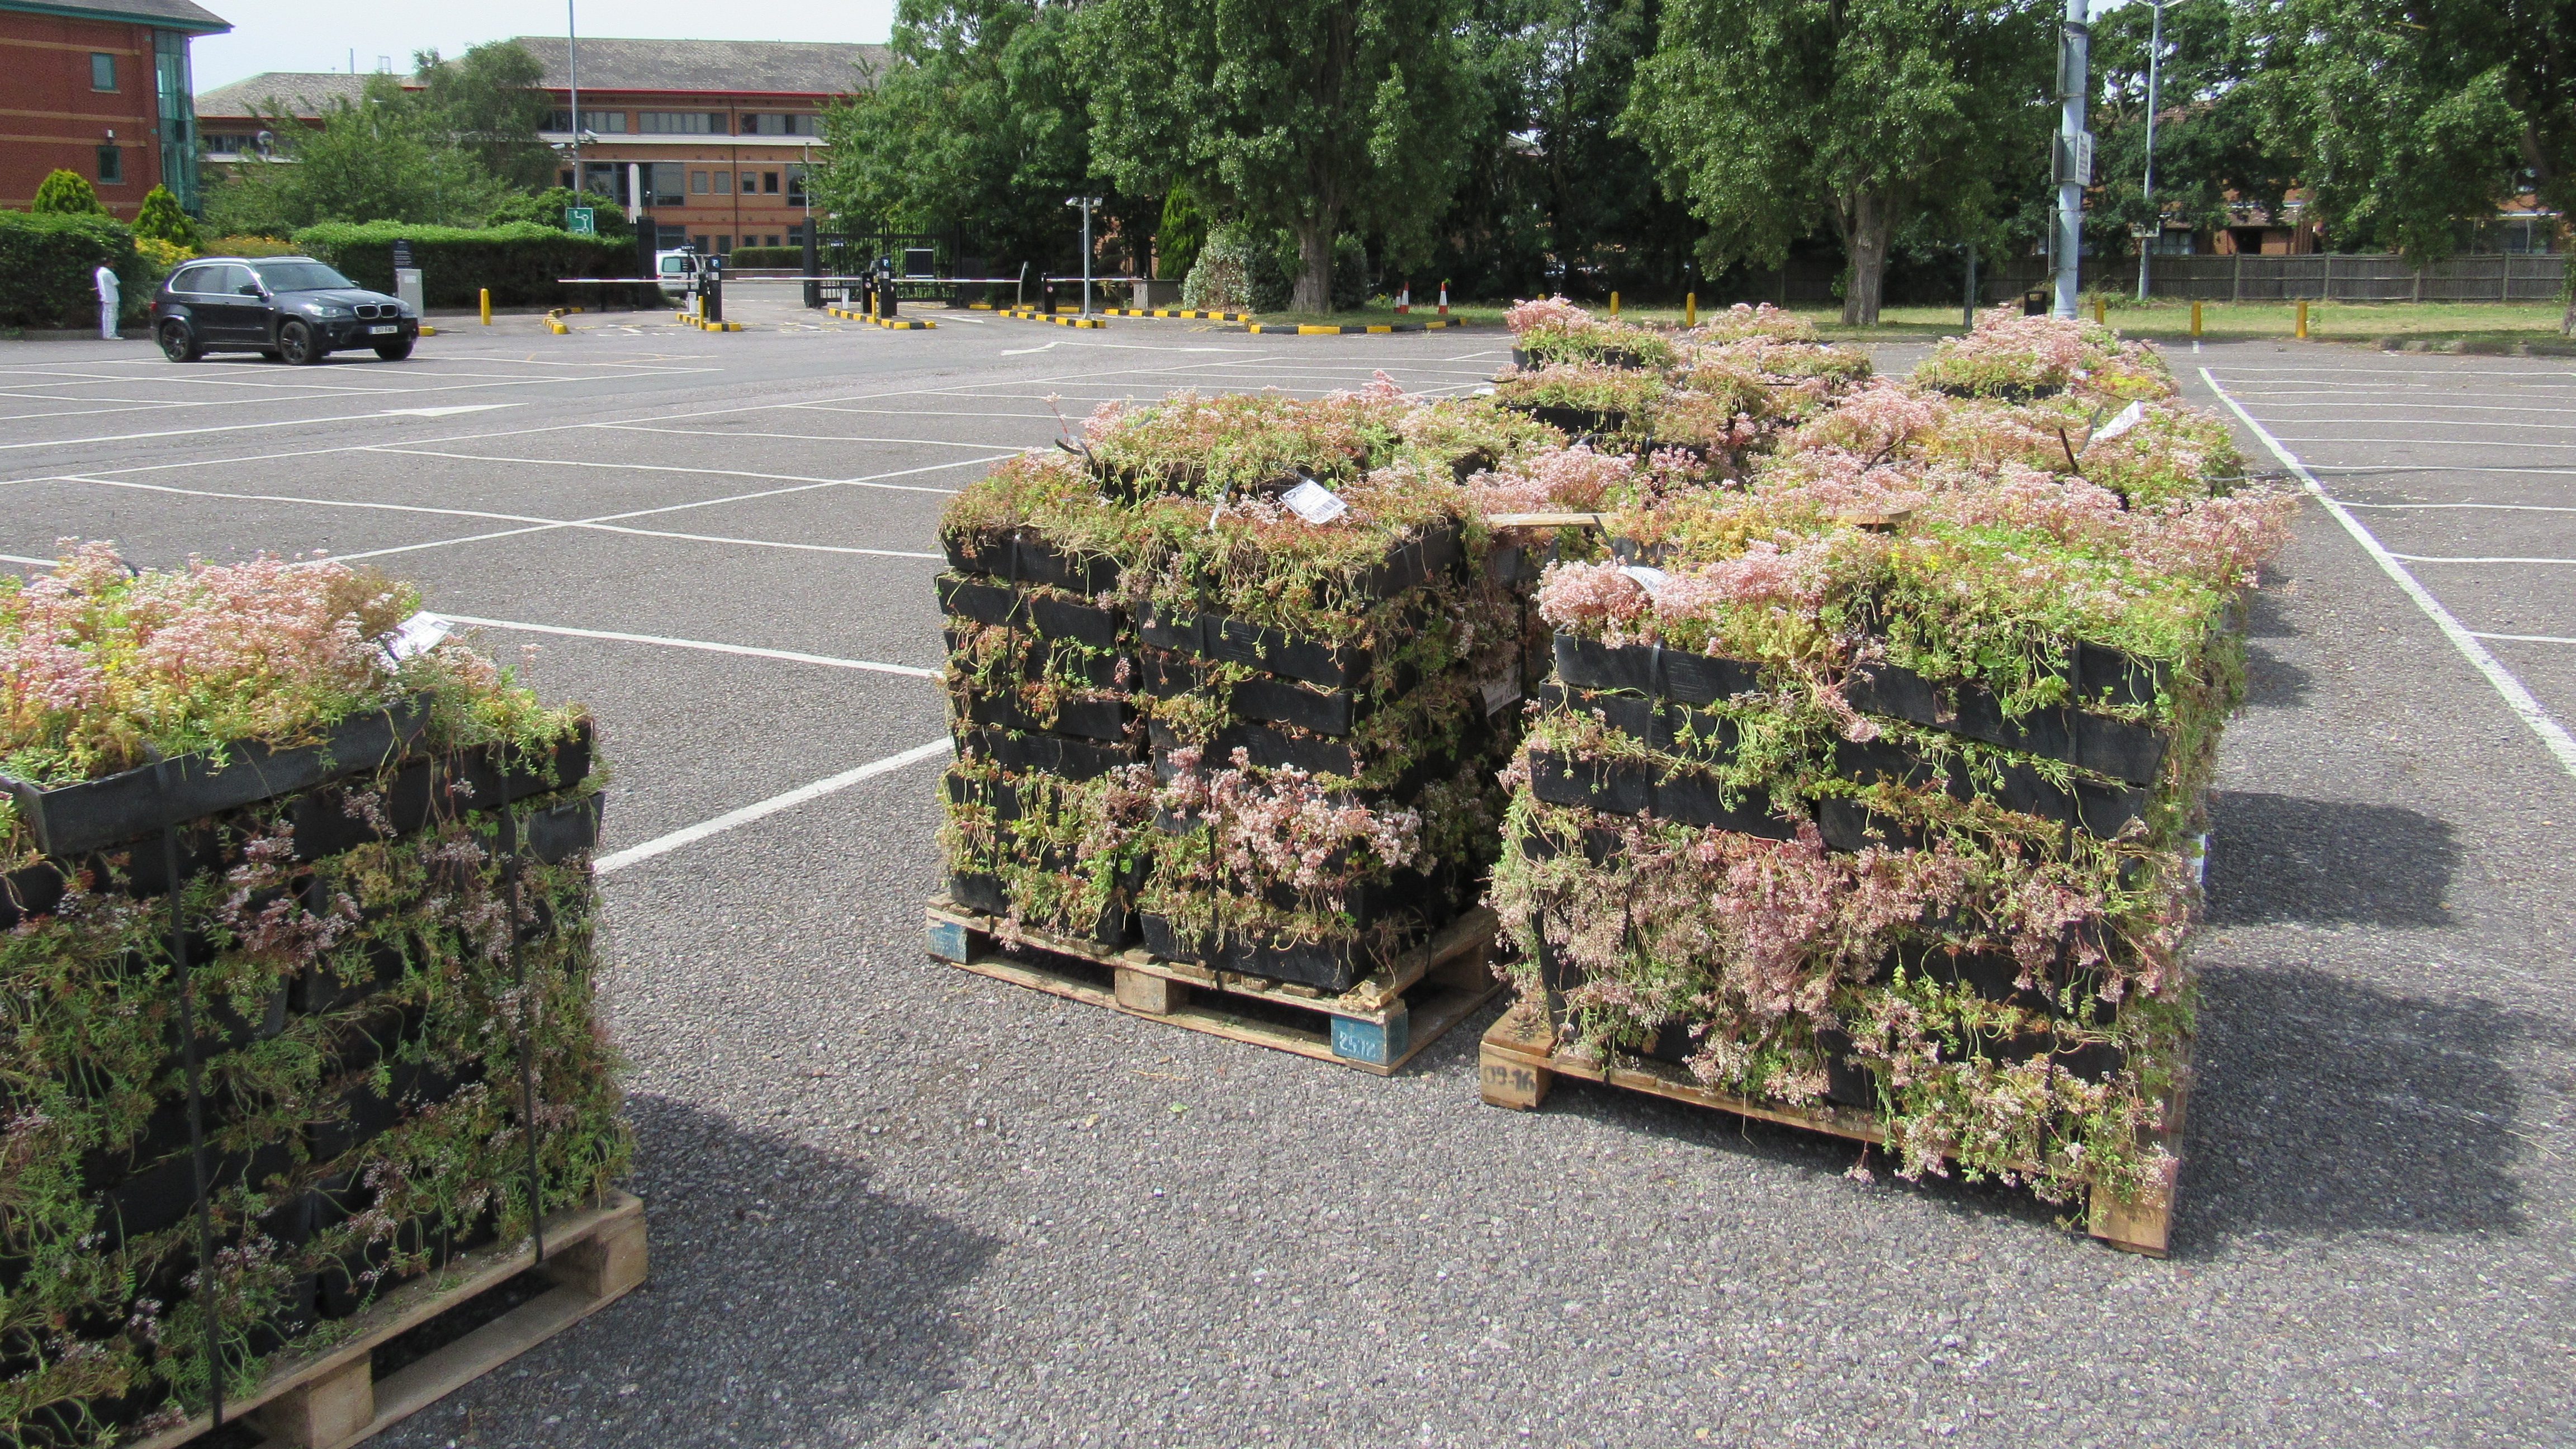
point(711, 137)
point(101, 88)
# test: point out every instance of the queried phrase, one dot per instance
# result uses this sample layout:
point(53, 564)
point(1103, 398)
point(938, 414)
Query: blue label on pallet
point(1367, 1041)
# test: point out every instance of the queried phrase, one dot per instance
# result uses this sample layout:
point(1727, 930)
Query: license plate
point(383, 331)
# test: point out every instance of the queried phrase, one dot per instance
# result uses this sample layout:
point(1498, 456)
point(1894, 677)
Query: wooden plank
point(1502, 521)
point(1518, 1060)
point(1150, 994)
point(356, 1338)
point(334, 1409)
point(442, 1372)
point(1431, 1010)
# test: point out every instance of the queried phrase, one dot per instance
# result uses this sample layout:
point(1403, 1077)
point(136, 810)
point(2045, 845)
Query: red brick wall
point(51, 119)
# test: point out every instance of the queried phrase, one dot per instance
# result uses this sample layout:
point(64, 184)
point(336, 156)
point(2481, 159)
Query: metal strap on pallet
point(206, 1292)
point(519, 1028)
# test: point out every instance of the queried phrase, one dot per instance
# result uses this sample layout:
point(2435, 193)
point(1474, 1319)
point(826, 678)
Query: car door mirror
point(251, 289)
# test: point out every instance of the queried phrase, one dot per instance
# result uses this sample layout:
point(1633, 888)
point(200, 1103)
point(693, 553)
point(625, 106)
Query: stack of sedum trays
point(296, 903)
point(1872, 776)
point(1231, 679)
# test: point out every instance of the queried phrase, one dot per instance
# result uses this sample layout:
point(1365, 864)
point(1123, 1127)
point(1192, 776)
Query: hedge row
point(521, 262)
point(48, 266)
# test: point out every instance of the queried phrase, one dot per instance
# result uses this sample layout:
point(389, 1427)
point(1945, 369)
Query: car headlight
point(327, 310)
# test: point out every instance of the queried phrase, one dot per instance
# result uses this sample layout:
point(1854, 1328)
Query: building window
point(219, 143)
point(769, 241)
point(724, 183)
point(795, 186)
point(611, 123)
point(771, 123)
point(769, 182)
point(697, 183)
point(111, 166)
point(662, 181)
point(724, 245)
point(102, 71)
point(751, 183)
point(681, 123)
point(699, 242)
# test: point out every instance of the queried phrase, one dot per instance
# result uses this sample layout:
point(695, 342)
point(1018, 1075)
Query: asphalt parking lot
point(892, 1203)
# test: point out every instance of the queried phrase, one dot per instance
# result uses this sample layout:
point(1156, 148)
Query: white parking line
point(673, 468)
point(2447, 559)
point(784, 437)
point(2423, 442)
point(2497, 507)
point(2553, 735)
point(663, 845)
point(787, 655)
point(2528, 638)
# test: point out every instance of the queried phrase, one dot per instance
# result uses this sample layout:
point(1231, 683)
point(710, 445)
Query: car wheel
point(394, 351)
point(178, 343)
point(297, 344)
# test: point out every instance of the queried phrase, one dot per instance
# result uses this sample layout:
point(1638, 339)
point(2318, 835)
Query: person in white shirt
point(108, 297)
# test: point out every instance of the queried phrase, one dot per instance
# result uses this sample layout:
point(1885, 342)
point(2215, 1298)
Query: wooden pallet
point(325, 1397)
point(1376, 1026)
point(1520, 1059)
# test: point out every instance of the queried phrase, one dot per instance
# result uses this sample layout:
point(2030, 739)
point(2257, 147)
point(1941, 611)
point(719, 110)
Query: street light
point(1086, 203)
point(2074, 154)
point(2155, 62)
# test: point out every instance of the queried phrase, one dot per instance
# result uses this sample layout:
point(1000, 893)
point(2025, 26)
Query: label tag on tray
point(418, 634)
point(1314, 502)
point(1652, 580)
point(2130, 416)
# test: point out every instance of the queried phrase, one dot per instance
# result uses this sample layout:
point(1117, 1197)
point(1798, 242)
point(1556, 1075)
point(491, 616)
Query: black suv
point(293, 308)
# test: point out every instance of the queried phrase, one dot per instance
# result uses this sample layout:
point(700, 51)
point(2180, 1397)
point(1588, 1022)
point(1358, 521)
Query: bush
point(161, 220)
point(546, 208)
point(248, 246)
point(520, 262)
point(66, 193)
point(1350, 273)
point(47, 264)
point(1239, 268)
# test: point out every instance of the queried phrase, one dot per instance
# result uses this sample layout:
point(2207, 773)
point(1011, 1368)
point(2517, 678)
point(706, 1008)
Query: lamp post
point(572, 74)
point(1086, 203)
point(2155, 62)
point(2074, 154)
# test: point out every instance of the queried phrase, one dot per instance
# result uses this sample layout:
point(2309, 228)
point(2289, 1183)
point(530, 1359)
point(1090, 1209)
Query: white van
point(679, 273)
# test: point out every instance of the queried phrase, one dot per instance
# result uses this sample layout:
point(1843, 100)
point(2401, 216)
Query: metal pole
point(572, 74)
point(2072, 91)
point(2155, 63)
point(1968, 301)
point(1086, 256)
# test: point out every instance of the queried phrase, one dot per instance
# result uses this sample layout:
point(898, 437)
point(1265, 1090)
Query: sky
point(322, 34)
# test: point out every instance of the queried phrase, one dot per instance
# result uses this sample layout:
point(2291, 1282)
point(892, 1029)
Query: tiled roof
point(173, 14)
point(301, 93)
point(774, 67)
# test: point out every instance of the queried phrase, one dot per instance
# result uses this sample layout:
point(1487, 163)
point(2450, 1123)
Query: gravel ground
point(894, 1203)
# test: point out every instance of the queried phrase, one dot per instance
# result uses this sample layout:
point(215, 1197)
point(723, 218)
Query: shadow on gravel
point(2324, 1106)
point(2273, 683)
point(2285, 858)
point(787, 1305)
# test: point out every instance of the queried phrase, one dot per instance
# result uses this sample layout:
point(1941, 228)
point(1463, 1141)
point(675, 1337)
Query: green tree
point(382, 158)
point(2212, 148)
point(547, 207)
point(2411, 119)
point(1182, 232)
point(161, 219)
point(66, 193)
point(1776, 117)
point(1315, 116)
point(979, 126)
point(489, 103)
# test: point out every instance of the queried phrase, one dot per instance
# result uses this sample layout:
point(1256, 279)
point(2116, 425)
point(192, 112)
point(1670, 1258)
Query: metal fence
point(2323, 276)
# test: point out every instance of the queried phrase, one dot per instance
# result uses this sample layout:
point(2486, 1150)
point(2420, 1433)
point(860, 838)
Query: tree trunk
point(1873, 227)
point(1314, 291)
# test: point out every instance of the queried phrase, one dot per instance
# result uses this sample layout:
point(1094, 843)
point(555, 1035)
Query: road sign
point(579, 221)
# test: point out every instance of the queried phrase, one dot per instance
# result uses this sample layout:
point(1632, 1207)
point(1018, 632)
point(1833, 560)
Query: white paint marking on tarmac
point(2431, 442)
point(445, 412)
point(789, 655)
point(606, 518)
point(787, 437)
point(2497, 507)
point(663, 845)
point(2450, 559)
point(20, 558)
point(1025, 351)
point(2553, 735)
point(671, 468)
point(2528, 638)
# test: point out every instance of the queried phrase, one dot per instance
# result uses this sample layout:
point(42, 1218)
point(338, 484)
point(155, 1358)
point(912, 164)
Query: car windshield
point(298, 276)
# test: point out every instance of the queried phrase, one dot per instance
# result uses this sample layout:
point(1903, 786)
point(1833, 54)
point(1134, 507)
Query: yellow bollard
point(487, 306)
point(1690, 309)
point(2102, 310)
point(2195, 319)
point(1614, 304)
point(2302, 328)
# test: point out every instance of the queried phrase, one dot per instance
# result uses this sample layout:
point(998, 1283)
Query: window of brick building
point(102, 71)
point(111, 166)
